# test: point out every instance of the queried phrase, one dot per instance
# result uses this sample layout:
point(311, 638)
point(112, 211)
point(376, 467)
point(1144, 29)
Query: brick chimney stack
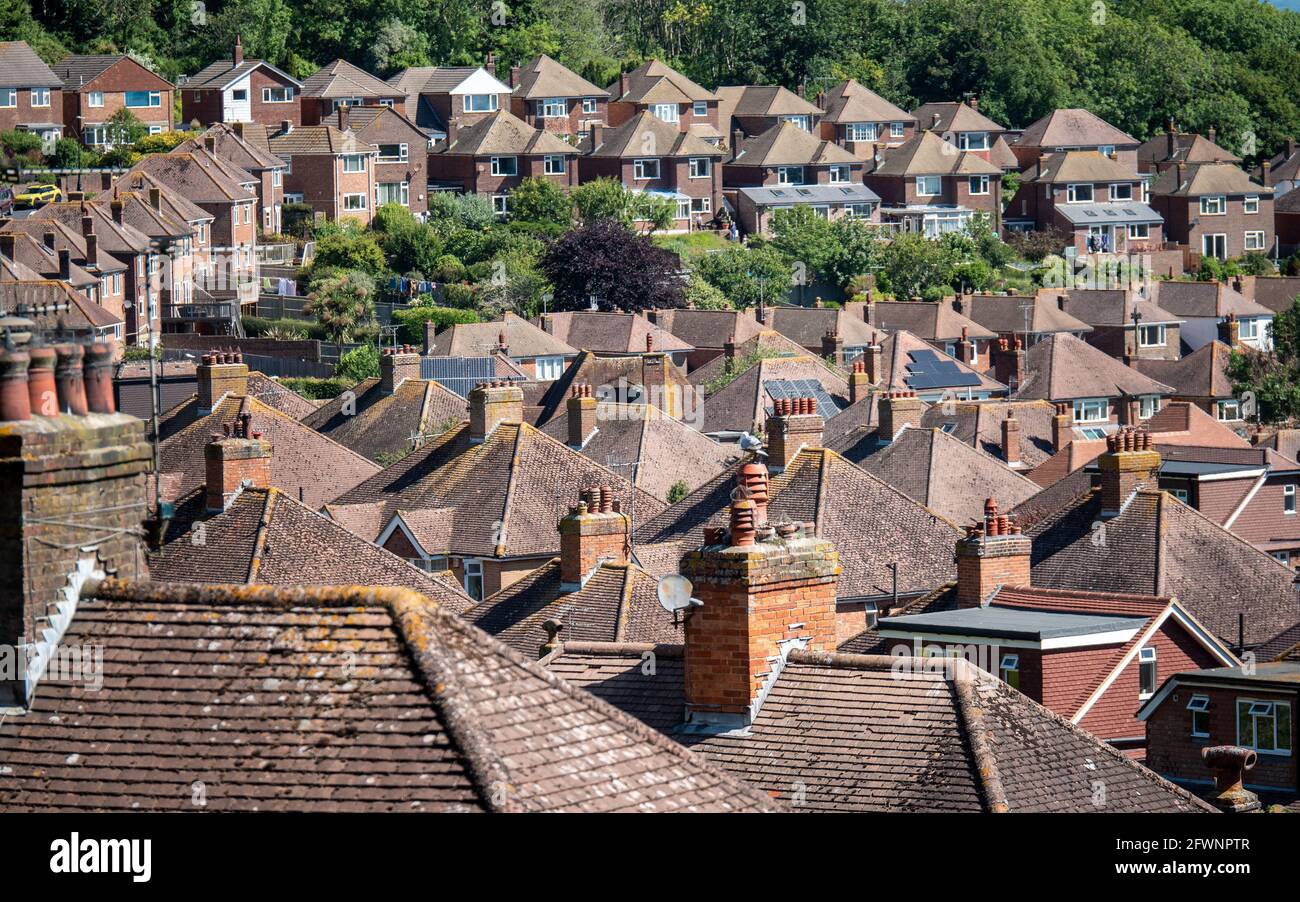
point(396, 365)
point(594, 530)
point(898, 409)
point(1265, 175)
point(1011, 441)
point(581, 411)
point(219, 374)
point(833, 346)
point(793, 424)
point(1230, 330)
point(859, 382)
point(1011, 363)
point(240, 458)
point(765, 592)
point(491, 404)
point(1171, 139)
point(966, 347)
point(1062, 426)
point(1130, 461)
point(993, 553)
point(874, 358)
point(238, 56)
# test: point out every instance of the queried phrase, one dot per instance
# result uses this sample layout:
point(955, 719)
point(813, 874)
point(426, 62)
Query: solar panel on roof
point(459, 374)
point(927, 370)
point(778, 389)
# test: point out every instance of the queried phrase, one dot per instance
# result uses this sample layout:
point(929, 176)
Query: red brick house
point(1126, 325)
point(1159, 152)
point(1282, 172)
point(1065, 130)
point(962, 125)
point(96, 87)
point(31, 95)
point(1092, 657)
point(1286, 219)
point(330, 168)
point(753, 109)
point(646, 153)
point(228, 142)
point(1200, 378)
point(556, 99)
point(342, 84)
point(492, 155)
point(240, 90)
point(670, 96)
point(402, 165)
point(1215, 209)
point(930, 186)
point(787, 166)
point(860, 120)
point(437, 96)
point(1096, 199)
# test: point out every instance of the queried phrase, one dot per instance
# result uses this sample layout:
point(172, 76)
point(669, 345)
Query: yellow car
point(36, 195)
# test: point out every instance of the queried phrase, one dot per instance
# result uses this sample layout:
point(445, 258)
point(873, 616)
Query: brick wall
point(24, 112)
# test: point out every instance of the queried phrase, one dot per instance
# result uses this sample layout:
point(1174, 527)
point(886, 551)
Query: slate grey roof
point(812, 194)
point(1119, 212)
point(20, 67)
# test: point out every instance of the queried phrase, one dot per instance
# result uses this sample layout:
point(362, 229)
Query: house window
point(40, 96)
point(589, 104)
point(1009, 670)
point(553, 164)
point(665, 111)
point(1215, 205)
point(789, 175)
point(683, 209)
point(479, 103)
point(549, 368)
point(700, 109)
point(1248, 329)
point(839, 175)
point(551, 108)
point(8, 97)
point(973, 140)
point(95, 99)
point(345, 102)
point(1254, 241)
point(500, 204)
point(277, 95)
point(1147, 672)
point(1151, 336)
point(645, 169)
point(387, 101)
point(1288, 499)
point(393, 153)
point(979, 184)
point(1227, 409)
point(928, 185)
point(1148, 406)
point(1121, 191)
point(801, 121)
point(701, 205)
point(239, 95)
point(1139, 230)
point(1078, 194)
point(474, 579)
point(1091, 410)
point(896, 129)
point(1264, 726)
point(1215, 245)
point(1282, 557)
point(861, 131)
point(354, 201)
point(1199, 705)
point(95, 135)
point(700, 167)
point(143, 98)
point(505, 165)
point(354, 162)
point(857, 211)
point(393, 193)
point(1250, 204)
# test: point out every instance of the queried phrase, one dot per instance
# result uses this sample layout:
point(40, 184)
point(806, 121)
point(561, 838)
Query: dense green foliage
point(1233, 64)
point(1272, 379)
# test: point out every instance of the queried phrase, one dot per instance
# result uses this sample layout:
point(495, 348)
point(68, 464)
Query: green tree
point(346, 246)
point(1272, 378)
point(359, 363)
point(912, 264)
point(342, 303)
point(398, 46)
point(602, 198)
point(747, 275)
point(539, 199)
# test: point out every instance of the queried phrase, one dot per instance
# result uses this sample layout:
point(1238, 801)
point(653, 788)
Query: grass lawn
point(688, 246)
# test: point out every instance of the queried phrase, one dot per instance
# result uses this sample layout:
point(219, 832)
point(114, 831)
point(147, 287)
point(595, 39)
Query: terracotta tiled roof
point(1061, 367)
point(341, 79)
point(658, 558)
point(762, 343)
point(610, 333)
point(786, 144)
point(979, 424)
point(1159, 546)
point(316, 139)
point(1206, 178)
point(647, 130)
point(503, 132)
point(928, 154)
point(931, 321)
point(507, 491)
point(870, 522)
point(849, 101)
point(667, 450)
point(1078, 166)
point(174, 202)
point(1073, 128)
point(1188, 148)
point(761, 101)
point(653, 81)
point(613, 673)
point(1103, 307)
point(806, 326)
point(954, 117)
point(1282, 647)
point(384, 427)
point(744, 402)
point(544, 77)
point(404, 712)
point(945, 474)
point(235, 149)
point(62, 308)
point(273, 394)
point(1201, 374)
point(613, 378)
point(1207, 300)
point(616, 603)
point(301, 458)
point(37, 261)
point(186, 174)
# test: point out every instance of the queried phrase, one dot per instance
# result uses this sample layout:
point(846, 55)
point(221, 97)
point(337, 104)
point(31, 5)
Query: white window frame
point(1254, 240)
point(838, 175)
point(666, 112)
point(548, 369)
point(642, 166)
point(1214, 205)
point(95, 99)
point(1248, 328)
point(1147, 658)
point(1083, 405)
point(589, 105)
point(1209, 239)
point(973, 141)
point(154, 99)
point(861, 131)
point(701, 205)
point(897, 129)
point(349, 203)
point(1257, 709)
point(978, 185)
point(1074, 192)
point(473, 574)
point(403, 193)
point(499, 169)
point(1199, 705)
point(501, 204)
point(554, 164)
point(1145, 342)
point(1148, 406)
point(1139, 230)
point(1117, 186)
point(922, 183)
point(699, 108)
point(8, 98)
point(43, 93)
point(800, 120)
point(354, 162)
point(699, 167)
point(470, 105)
point(1288, 499)
point(1226, 406)
point(1250, 203)
point(789, 175)
point(285, 92)
point(403, 153)
point(552, 108)
point(857, 211)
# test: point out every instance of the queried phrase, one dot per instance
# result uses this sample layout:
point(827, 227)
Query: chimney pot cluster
point(595, 530)
point(794, 407)
point(1128, 440)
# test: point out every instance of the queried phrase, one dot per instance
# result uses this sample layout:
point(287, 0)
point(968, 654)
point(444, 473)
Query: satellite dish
point(674, 593)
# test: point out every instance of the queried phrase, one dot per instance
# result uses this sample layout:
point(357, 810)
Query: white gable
point(481, 83)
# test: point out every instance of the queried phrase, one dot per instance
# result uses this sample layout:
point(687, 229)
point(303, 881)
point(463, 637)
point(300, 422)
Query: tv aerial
point(674, 592)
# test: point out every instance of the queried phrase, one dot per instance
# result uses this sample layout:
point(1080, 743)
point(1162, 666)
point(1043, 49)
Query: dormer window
point(928, 185)
point(789, 175)
point(861, 131)
point(801, 121)
point(1106, 150)
point(647, 168)
point(666, 112)
point(897, 129)
point(1147, 674)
